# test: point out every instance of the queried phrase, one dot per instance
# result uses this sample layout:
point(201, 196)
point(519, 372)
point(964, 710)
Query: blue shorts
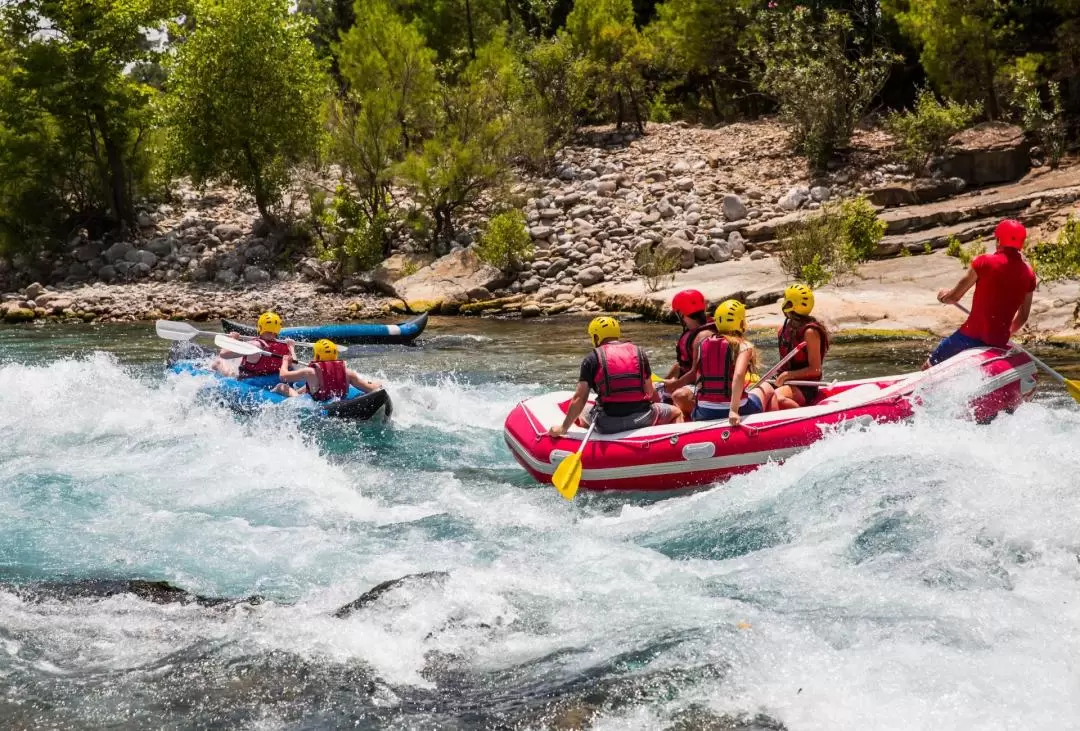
point(750, 405)
point(950, 346)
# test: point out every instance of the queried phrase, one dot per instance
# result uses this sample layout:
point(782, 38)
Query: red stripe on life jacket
point(621, 377)
point(267, 365)
point(333, 379)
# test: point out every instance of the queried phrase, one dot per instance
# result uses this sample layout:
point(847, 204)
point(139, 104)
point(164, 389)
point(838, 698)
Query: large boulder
point(681, 249)
point(399, 266)
point(117, 252)
point(733, 207)
point(448, 280)
point(991, 152)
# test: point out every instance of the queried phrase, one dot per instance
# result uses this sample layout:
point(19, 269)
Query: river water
point(914, 576)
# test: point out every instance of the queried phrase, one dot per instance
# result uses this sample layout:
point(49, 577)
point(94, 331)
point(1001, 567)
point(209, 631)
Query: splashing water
point(918, 575)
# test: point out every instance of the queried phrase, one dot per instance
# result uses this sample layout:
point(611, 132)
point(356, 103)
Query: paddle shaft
point(1046, 369)
point(783, 362)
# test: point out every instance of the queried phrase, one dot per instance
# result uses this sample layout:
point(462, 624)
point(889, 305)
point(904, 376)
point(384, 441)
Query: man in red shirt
point(1004, 284)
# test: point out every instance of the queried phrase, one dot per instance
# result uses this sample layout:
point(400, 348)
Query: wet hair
point(699, 316)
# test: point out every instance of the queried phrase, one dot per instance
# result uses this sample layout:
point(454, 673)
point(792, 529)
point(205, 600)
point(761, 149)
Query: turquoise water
point(922, 575)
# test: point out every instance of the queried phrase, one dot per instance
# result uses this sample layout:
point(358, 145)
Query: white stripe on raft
point(393, 330)
point(681, 467)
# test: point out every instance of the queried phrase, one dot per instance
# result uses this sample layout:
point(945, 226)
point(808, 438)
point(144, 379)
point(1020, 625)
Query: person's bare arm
point(286, 373)
point(577, 405)
point(672, 385)
point(1022, 314)
point(738, 383)
point(952, 296)
point(362, 383)
point(812, 371)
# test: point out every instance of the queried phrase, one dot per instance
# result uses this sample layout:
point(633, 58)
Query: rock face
point(399, 266)
point(991, 152)
point(446, 282)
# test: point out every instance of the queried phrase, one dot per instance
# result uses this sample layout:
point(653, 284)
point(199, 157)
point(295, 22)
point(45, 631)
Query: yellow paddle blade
point(656, 378)
point(567, 476)
point(1073, 387)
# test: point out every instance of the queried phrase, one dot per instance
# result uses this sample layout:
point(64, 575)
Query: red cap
point(688, 302)
point(1010, 232)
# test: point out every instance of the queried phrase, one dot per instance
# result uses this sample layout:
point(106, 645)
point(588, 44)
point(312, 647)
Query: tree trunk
point(469, 23)
point(714, 100)
point(262, 195)
point(119, 195)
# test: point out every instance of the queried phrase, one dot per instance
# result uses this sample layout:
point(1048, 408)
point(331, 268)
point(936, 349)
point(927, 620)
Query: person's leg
point(766, 394)
point(703, 413)
point(789, 397)
point(683, 398)
point(667, 414)
point(950, 346)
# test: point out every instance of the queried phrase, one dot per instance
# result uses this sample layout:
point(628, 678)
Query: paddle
point(567, 475)
point(239, 347)
point(783, 361)
point(1073, 387)
point(170, 330)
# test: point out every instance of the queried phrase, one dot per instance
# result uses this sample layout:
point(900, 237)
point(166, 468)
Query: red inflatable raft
point(699, 453)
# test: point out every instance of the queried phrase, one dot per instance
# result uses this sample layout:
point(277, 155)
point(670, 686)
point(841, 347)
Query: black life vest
point(266, 365)
point(790, 335)
point(333, 380)
point(716, 370)
point(620, 377)
point(684, 347)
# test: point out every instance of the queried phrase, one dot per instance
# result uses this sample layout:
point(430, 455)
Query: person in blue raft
point(326, 377)
point(253, 366)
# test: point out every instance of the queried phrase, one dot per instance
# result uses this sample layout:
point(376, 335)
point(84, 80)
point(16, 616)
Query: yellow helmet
point(604, 328)
point(325, 350)
point(730, 316)
point(269, 322)
point(798, 298)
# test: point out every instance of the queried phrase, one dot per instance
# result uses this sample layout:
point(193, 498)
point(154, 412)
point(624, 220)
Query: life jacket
point(267, 365)
point(621, 377)
point(788, 338)
point(684, 347)
point(716, 370)
point(333, 380)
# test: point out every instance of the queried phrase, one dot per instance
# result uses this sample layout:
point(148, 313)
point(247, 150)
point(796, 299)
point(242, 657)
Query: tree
point(244, 99)
point(67, 61)
point(483, 126)
point(961, 45)
point(821, 90)
point(388, 104)
point(613, 55)
point(699, 40)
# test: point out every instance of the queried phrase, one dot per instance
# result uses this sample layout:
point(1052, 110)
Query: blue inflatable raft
point(345, 333)
point(252, 394)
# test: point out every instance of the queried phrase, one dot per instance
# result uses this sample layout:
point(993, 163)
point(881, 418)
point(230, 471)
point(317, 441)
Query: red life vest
point(267, 365)
point(620, 377)
point(716, 369)
point(789, 336)
point(684, 348)
point(333, 380)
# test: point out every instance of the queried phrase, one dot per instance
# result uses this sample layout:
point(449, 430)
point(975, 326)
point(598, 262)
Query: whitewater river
point(915, 576)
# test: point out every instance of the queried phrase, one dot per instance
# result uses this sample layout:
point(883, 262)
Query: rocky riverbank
point(710, 198)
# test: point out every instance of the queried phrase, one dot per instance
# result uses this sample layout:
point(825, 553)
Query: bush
point(1047, 125)
point(506, 242)
point(953, 247)
point(657, 268)
point(1061, 259)
point(829, 245)
point(344, 233)
point(964, 253)
point(925, 130)
point(807, 68)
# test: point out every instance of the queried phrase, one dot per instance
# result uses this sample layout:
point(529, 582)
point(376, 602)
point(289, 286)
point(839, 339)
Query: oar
point(1073, 387)
point(783, 361)
point(819, 384)
point(239, 347)
point(567, 475)
point(171, 330)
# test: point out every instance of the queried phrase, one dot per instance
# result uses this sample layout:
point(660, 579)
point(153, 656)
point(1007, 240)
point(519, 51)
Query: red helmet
point(688, 302)
point(1011, 232)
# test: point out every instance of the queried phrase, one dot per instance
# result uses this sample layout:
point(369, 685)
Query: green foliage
point(1060, 259)
point(964, 253)
point(960, 45)
point(860, 227)
point(483, 125)
point(657, 268)
point(558, 87)
point(953, 247)
point(72, 120)
point(926, 129)
point(245, 97)
point(612, 56)
point(829, 245)
point(699, 41)
point(905, 251)
point(806, 67)
point(1047, 125)
point(344, 233)
point(506, 242)
point(927, 248)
